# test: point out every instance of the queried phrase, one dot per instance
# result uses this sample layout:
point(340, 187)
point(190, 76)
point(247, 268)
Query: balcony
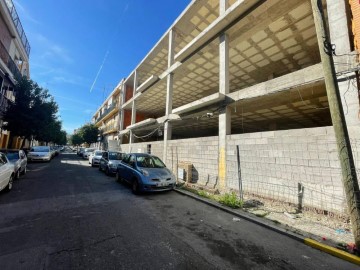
point(6, 58)
point(15, 18)
point(110, 128)
point(108, 111)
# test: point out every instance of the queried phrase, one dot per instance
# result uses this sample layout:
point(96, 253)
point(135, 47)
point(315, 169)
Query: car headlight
point(145, 172)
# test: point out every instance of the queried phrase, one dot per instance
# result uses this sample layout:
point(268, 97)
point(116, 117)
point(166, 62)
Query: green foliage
point(76, 139)
point(231, 200)
point(205, 194)
point(89, 133)
point(34, 113)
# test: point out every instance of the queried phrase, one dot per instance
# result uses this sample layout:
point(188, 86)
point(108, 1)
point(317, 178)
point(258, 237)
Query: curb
point(307, 241)
point(333, 251)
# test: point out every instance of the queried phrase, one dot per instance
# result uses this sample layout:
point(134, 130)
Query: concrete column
point(339, 34)
point(169, 94)
point(133, 112)
point(121, 111)
point(224, 114)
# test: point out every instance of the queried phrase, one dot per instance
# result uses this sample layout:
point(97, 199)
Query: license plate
point(162, 184)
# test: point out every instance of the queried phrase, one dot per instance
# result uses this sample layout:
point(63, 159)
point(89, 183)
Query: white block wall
point(273, 163)
point(201, 152)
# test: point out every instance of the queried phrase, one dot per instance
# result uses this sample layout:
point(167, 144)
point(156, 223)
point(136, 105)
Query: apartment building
point(237, 90)
point(106, 118)
point(14, 61)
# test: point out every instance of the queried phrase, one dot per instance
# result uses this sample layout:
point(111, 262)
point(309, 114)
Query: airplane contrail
point(111, 41)
point(101, 66)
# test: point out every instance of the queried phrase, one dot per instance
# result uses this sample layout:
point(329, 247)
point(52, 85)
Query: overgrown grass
point(231, 200)
point(205, 194)
point(228, 199)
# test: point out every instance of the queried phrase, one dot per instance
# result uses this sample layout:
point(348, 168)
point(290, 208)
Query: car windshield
point(115, 156)
point(89, 150)
point(149, 162)
point(12, 155)
point(40, 149)
point(98, 153)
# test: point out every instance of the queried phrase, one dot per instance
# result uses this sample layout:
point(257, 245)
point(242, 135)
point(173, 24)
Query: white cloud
point(51, 50)
point(24, 14)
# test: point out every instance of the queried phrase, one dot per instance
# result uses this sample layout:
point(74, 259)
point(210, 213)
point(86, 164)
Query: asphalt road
point(67, 215)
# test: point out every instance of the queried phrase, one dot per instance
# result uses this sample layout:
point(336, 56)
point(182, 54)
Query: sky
point(80, 50)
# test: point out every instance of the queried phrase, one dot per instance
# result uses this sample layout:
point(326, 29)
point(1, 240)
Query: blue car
point(145, 172)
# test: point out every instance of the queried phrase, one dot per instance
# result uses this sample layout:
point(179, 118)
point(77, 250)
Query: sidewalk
point(305, 227)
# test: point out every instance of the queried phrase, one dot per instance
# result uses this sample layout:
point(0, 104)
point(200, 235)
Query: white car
point(87, 152)
point(6, 173)
point(39, 153)
point(94, 158)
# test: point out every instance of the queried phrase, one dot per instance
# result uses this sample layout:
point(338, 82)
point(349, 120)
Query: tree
point(76, 139)
point(18, 117)
point(89, 133)
point(33, 112)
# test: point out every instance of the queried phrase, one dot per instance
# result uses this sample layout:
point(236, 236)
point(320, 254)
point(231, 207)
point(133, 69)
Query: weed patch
point(231, 200)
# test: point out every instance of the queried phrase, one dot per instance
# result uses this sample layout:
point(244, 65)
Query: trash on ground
point(236, 219)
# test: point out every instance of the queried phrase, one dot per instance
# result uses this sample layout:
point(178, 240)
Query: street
point(67, 215)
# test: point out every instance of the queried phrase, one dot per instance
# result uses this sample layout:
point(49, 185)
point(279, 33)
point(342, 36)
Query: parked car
point(94, 158)
point(80, 151)
point(87, 152)
point(109, 161)
point(6, 173)
point(145, 173)
point(39, 153)
point(18, 158)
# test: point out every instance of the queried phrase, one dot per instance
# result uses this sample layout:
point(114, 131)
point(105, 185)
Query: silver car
point(18, 158)
point(6, 173)
point(88, 152)
point(94, 158)
point(39, 153)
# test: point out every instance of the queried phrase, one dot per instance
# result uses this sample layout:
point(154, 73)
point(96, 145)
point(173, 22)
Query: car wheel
point(135, 186)
point(118, 177)
point(92, 164)
point(24, 171)
point(17, 174)
point(10, 184)
point(107, 172)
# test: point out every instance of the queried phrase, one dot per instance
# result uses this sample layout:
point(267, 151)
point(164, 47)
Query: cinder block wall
point(201, 152)
point(273, 163)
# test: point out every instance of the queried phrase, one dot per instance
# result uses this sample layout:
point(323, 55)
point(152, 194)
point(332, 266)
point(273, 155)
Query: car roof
point(141, 154)
point(10, 150)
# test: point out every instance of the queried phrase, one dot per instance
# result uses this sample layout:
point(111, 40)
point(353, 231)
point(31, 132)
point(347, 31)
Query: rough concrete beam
point(170, 70)
point(170, 117)
point(145, 85)
point(128, 104)
point(147, 122)
point(217, 26)
point(200, 103)
point(301, 77)
point(123, 132)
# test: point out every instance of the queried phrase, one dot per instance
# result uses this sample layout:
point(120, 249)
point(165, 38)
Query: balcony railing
point(107, 111)
point(5, 56)
point(110, 128)
point(17, 23)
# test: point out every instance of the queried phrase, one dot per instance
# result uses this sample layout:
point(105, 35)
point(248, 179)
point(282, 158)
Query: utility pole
point(349, 177)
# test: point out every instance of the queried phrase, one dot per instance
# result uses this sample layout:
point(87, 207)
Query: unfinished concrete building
point(236, 89)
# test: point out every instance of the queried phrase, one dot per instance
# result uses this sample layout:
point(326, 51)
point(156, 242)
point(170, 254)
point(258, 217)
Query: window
point(3, 159)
